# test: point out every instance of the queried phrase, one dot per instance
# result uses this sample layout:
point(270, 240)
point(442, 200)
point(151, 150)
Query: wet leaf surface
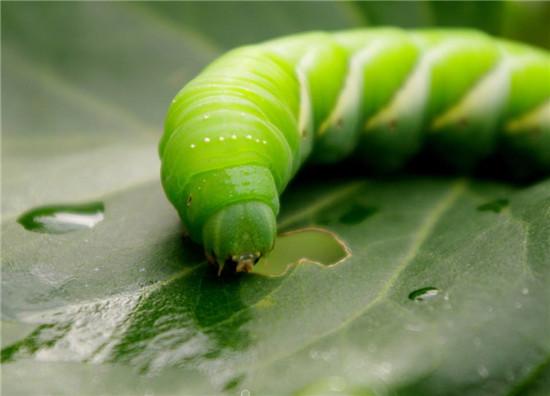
point(131, 307)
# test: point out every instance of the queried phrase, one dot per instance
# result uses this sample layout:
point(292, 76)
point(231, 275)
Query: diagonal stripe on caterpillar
point(236, 134)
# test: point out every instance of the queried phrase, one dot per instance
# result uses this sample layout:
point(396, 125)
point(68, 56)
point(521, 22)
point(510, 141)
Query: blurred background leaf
point(128, 307)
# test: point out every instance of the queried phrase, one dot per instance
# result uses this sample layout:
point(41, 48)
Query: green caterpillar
point(238, 133)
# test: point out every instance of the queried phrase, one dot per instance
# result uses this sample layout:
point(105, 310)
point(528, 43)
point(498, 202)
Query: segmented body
point(237, 134)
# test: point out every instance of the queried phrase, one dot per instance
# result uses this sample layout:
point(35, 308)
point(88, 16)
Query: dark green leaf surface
point(130, 307)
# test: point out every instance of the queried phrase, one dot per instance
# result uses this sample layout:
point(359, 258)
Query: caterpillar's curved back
point(236, 134)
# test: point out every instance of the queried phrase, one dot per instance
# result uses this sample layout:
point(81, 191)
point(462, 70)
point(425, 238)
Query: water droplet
point(206, 116)
point(249, 136)
point(245, 392)
point(60, 219)
point(525, 291)
point(264, 141)
point(234, 137)
point(357, 213)
point(257, 140)
point(206, 139)
point(193, 146)
point(519, 305)
point(424, 294)
point(494, 206)
point(222, 138)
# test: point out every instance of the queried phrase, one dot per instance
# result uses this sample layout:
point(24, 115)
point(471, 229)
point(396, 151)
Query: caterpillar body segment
point(238, 133)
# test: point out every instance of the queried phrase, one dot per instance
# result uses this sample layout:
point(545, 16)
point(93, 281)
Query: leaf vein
point(425, 229)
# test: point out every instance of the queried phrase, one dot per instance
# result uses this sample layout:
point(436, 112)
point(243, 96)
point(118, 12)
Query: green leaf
point(129, 306)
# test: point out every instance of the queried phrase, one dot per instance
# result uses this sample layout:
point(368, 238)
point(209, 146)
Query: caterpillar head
point(239, 235)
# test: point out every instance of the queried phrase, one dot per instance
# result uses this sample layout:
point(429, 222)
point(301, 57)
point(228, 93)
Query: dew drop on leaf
point(60, 219)
point(424, 294)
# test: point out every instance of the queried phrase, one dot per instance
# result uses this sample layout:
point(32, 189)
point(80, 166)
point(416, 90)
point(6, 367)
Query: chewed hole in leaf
point(494, 206)
point(308, 245)
point(60, 219)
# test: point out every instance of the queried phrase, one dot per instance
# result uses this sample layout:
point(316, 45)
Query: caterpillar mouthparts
point(245, 262)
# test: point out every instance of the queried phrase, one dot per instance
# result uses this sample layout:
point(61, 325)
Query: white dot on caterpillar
point(205, 117)
point(249, 136)
point(193, 146)
point(222, 138)
point(257, 140)
point(234, 137)
point(206, 140)
point(264, 141)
